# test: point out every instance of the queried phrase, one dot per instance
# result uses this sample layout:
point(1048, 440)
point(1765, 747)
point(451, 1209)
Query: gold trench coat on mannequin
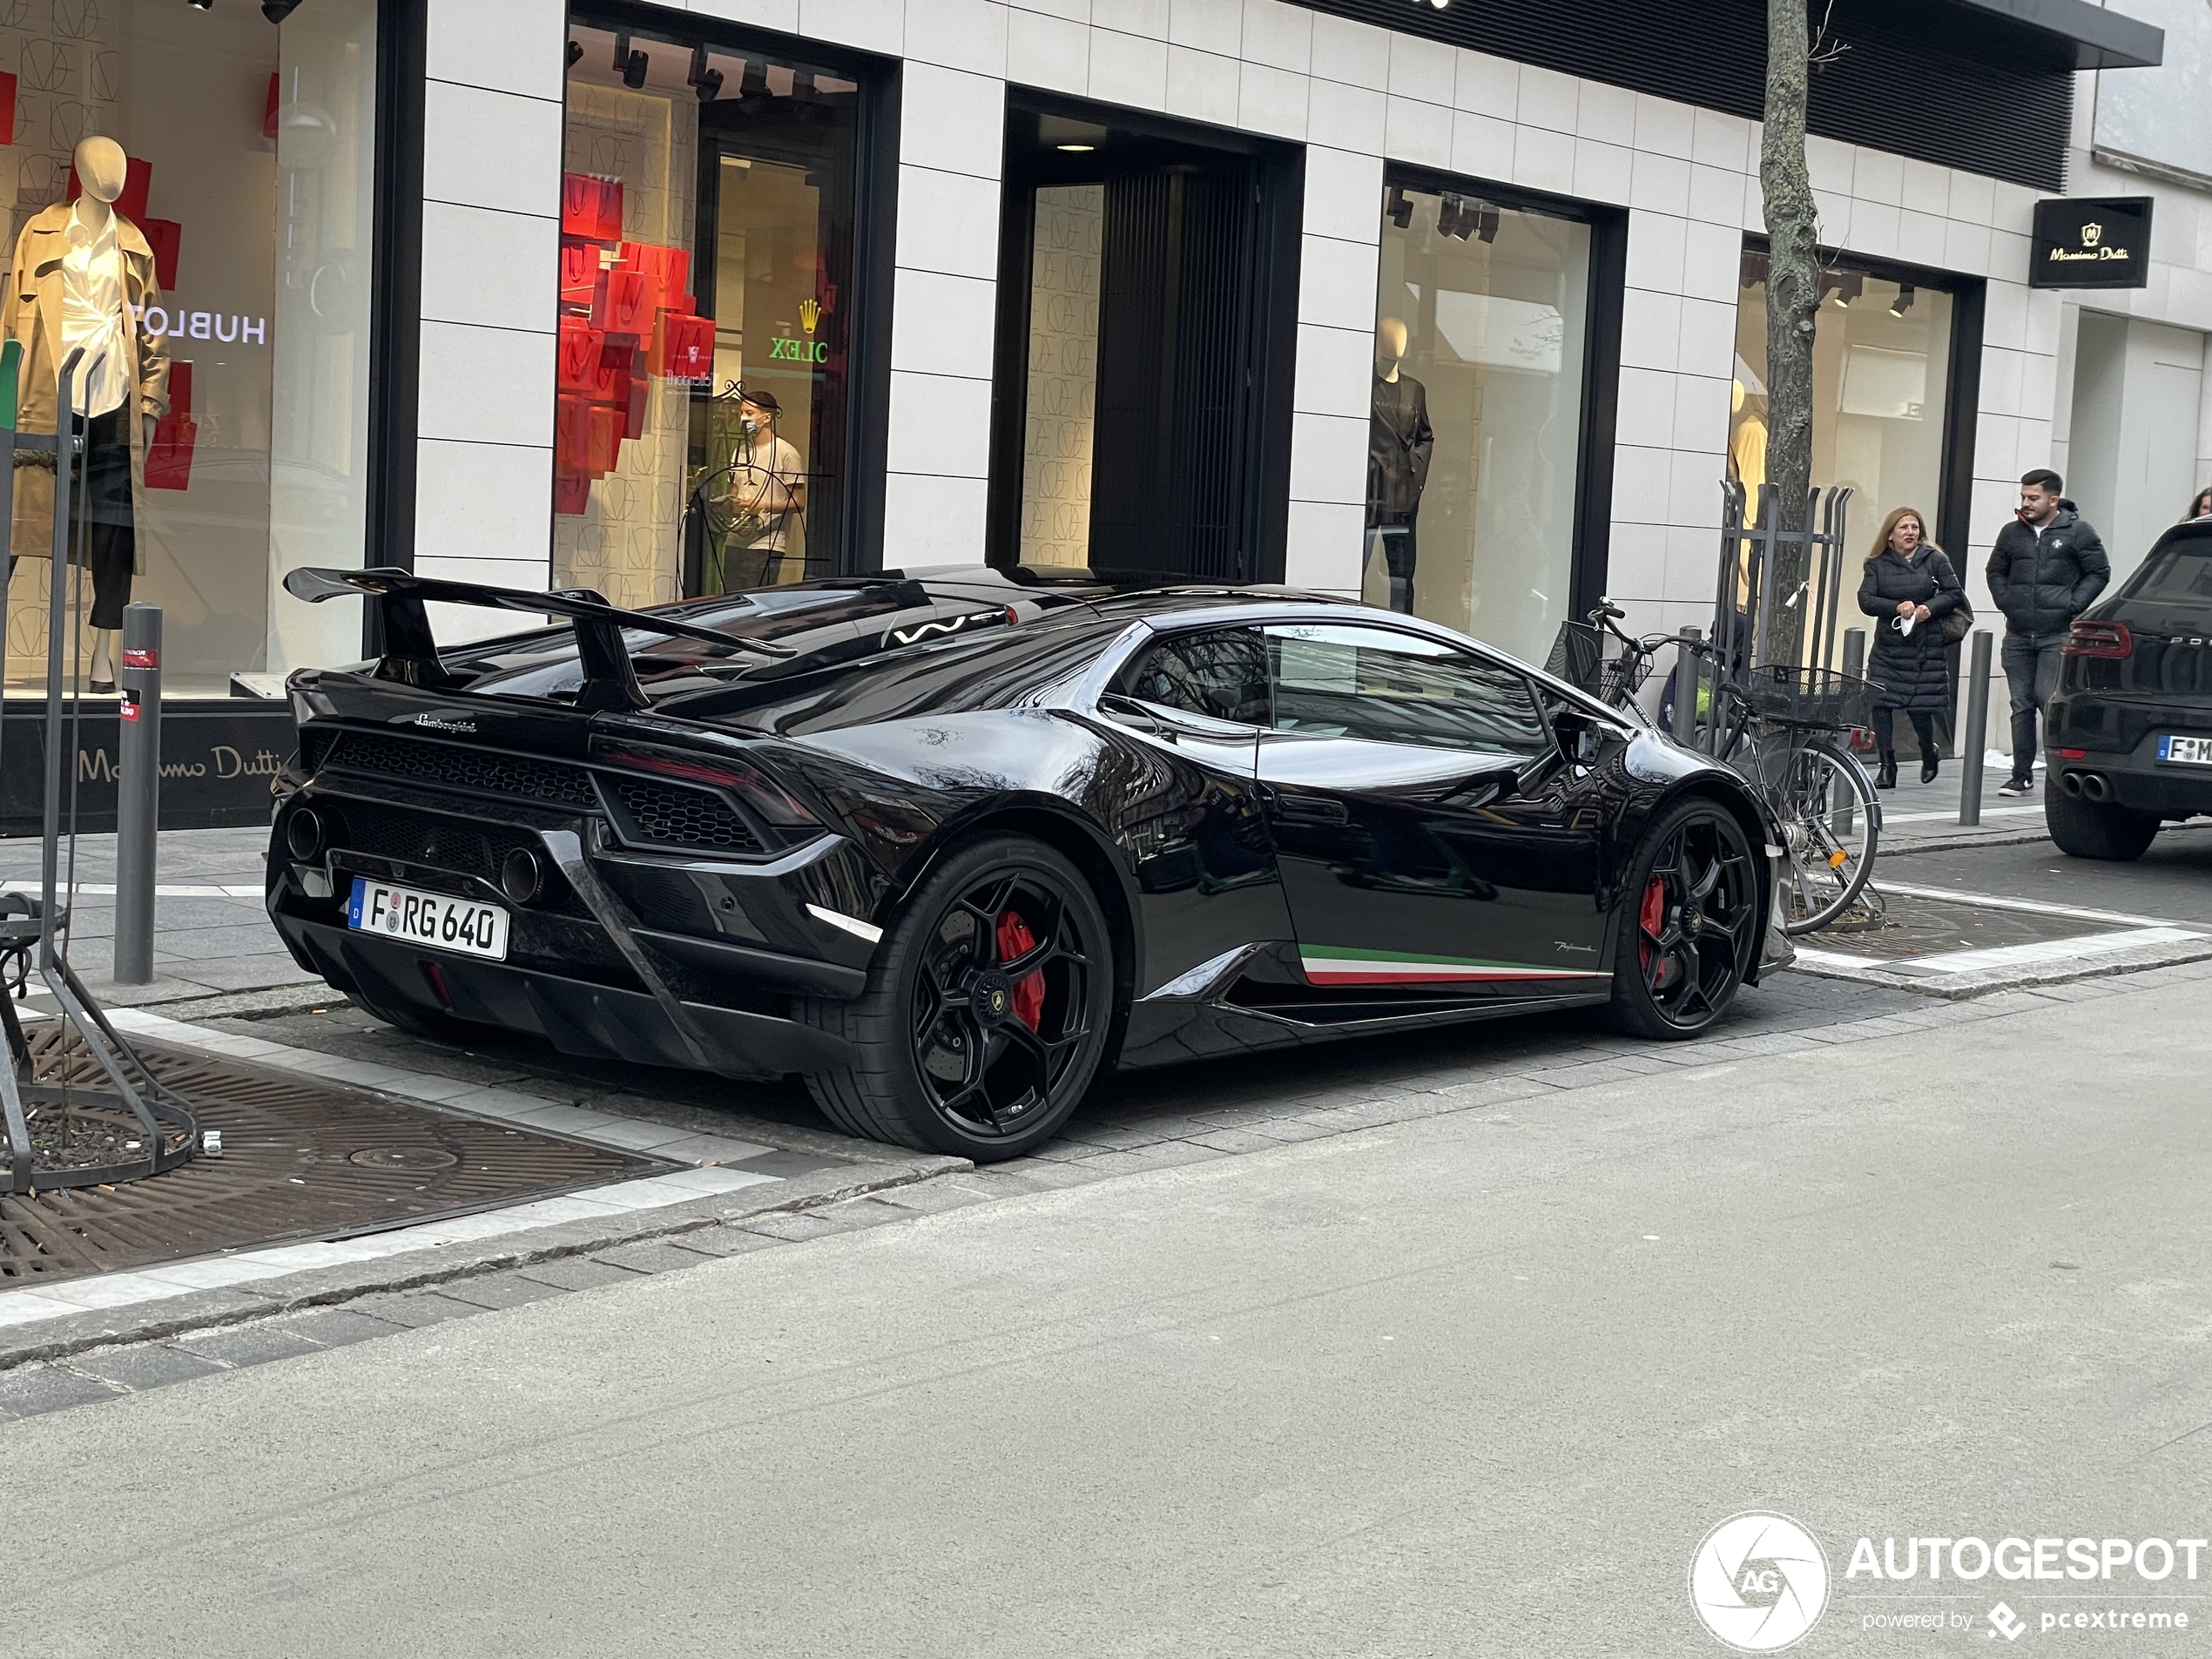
point(32, 313)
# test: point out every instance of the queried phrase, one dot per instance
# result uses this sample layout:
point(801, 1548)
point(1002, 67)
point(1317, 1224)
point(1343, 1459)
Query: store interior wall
point(2133, 443)
point(1061, 415)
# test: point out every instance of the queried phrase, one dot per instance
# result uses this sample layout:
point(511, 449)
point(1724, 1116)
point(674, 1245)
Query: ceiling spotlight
point(1074, 149)
point(1903, 303)
point(1461, 217)
point(277, 10)
point(200, 5)
point(629, 64)
point(1399, 207)
point(707, 83)
point(575, 53)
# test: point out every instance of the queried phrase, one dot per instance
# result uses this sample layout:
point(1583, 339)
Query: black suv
point(2130, 727)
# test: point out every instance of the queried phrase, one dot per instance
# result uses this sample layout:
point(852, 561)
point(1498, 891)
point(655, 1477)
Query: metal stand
point(1745, 595)
point(164, 1122)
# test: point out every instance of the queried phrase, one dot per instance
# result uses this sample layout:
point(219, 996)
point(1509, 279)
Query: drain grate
point(301, 1160)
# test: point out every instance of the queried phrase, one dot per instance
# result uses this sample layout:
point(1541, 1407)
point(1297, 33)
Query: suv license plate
point(465, 925)
point(2186, 751)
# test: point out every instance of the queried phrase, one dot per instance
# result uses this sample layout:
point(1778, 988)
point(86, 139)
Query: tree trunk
point(1792, 303)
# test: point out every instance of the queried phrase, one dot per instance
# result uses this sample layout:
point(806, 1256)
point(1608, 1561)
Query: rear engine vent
point(447, 766)
point(671, 815)
point(466, 846)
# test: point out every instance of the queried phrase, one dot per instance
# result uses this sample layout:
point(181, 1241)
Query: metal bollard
point(1977, 736)
point(1846, 818)
point(1689, 677)
point(138, 793)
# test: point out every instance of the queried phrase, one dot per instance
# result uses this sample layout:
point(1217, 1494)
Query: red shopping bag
point(625, 309)
point(590, 208)
point(687, 347)
point(577, 358)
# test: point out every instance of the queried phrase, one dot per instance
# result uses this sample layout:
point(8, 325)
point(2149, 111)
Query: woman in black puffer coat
point(1909, 586)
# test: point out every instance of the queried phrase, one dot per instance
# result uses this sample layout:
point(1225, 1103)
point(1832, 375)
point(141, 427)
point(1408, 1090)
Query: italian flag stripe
point(1332, 965)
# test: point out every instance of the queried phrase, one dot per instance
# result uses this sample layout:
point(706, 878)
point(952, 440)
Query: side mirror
point(1581, 738)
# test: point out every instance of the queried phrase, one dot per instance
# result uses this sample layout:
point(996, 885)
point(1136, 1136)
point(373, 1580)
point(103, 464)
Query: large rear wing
point(411, 658)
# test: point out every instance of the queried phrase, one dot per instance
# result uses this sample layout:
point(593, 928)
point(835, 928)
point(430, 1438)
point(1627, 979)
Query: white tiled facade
point(1355, 95)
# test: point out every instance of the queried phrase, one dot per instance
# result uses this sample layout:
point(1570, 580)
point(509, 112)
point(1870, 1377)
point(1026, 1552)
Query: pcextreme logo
point(1759, 1581)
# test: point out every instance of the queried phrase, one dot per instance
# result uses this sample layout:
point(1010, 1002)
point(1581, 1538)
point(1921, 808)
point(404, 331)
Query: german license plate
point(2186, 751)
point(465, 925)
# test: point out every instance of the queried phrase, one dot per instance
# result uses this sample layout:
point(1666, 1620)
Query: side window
point(1332, 680)
point(1222, 674)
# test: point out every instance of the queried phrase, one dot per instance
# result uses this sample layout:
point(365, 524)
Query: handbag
point(1958, 622)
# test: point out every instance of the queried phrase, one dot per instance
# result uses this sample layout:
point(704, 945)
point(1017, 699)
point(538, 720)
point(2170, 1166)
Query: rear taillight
point(762, 794)
point(2100, 639)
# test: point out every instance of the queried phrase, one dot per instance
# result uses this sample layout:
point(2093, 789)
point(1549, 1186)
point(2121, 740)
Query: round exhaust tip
point(303, 835)
point(2094, 786)
point(521, 877)
point(2070, 784)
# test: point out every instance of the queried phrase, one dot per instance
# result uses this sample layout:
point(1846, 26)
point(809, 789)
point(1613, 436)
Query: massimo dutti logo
point(2094, 247)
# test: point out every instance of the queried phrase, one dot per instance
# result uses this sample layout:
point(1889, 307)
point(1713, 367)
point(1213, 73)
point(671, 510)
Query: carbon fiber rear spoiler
point(411, 653)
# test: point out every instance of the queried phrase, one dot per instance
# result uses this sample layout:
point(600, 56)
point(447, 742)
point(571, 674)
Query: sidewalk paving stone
point(503, 1290)
point(143, 1365)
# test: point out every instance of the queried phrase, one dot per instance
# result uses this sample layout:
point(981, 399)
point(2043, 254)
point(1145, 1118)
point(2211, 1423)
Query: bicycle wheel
point(1832, 824)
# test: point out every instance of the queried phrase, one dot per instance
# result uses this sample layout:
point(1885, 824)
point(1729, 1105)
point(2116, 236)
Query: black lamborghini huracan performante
point(950, 844)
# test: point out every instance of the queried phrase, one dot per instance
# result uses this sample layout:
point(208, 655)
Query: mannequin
point(1400, 440)
point(82, 276)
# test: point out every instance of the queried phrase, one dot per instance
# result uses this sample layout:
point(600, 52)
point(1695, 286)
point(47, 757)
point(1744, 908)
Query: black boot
point(1928, 765)
point(1887, 778)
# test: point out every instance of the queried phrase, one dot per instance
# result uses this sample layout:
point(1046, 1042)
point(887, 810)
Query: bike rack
point(1744, 603)
point(36, 932)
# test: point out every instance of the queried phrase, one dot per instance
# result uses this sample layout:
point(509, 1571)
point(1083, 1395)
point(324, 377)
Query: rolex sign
point(2091, 242)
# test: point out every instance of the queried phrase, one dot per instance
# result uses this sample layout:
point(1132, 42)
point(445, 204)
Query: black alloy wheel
point(1689, 925)
point(986, 1011)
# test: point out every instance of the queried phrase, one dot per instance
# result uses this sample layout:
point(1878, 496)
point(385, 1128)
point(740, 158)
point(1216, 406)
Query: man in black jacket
point(2045, 568)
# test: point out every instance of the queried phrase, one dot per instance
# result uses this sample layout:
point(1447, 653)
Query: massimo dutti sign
point(2091, 242)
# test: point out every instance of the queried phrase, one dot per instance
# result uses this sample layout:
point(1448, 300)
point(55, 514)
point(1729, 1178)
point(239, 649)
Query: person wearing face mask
point(1908, 585)
point(766, 498)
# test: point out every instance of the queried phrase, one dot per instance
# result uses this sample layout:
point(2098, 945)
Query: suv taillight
point(2100, 639)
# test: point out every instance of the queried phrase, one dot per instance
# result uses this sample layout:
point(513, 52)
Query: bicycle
point(1772, 726)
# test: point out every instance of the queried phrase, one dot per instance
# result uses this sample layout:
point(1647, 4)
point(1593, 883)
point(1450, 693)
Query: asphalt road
point(2173, 880)
point(1473, 1385)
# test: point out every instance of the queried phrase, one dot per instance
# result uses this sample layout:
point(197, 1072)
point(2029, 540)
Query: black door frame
point(1271, 350)
point(1592, 538)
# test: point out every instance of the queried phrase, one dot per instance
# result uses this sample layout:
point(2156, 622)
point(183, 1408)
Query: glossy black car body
point(704, 846)
point(2137, 671)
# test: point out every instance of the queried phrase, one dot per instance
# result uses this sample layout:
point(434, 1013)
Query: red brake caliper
point(1013, 937)
point(1653, 915)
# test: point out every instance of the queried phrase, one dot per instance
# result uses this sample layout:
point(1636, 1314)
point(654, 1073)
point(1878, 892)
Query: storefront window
point(706, 301)
point(1881, 360)
point(1481, 321)
point(229, 319)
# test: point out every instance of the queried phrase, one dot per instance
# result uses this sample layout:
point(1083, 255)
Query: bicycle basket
point(1578, 656)
point(1809, 697)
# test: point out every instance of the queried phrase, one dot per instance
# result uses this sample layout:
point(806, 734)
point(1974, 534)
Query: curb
point(334, 1286)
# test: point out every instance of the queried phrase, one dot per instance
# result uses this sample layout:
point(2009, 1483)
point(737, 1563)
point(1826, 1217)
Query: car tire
point(951, 1053)
point(1689, 924)
point(2097, 829)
